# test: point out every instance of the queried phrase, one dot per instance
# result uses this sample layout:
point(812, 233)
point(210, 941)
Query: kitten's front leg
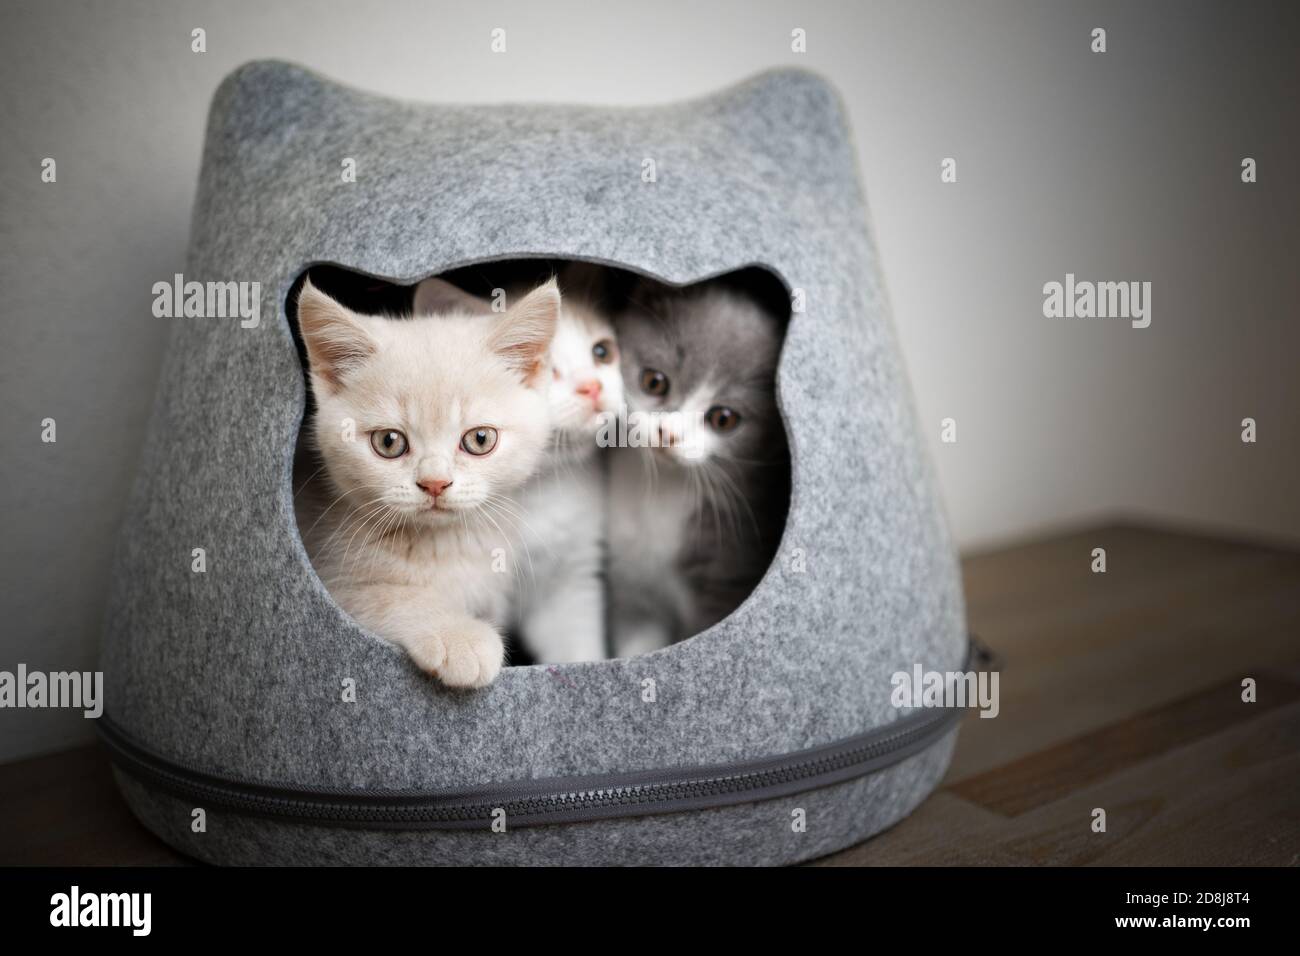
point(635, 638)
point(459, 649)
point(567, 624)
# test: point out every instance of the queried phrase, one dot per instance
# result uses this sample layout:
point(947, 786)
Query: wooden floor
point(1122, 691)
point(1119, 691)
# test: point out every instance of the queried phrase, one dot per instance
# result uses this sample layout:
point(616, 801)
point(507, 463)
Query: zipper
point(547, 800)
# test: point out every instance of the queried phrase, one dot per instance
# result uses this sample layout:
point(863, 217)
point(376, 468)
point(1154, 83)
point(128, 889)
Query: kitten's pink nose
point(434, 486)
point(666, 437)
point(589, 388)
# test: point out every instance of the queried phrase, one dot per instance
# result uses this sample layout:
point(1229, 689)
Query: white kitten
point(559, 604)
point(425, 426)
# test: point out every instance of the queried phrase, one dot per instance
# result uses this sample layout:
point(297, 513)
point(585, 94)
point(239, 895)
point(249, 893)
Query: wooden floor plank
point(1119, 643)
point(65, 809)
point(1225, 800)
point(1051, 774)
point(923, 838)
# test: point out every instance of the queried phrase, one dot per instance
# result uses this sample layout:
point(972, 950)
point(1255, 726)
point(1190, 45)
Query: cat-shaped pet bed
point(236, 686)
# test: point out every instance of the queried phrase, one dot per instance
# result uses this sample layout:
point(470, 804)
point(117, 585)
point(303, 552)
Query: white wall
point(1118, 166)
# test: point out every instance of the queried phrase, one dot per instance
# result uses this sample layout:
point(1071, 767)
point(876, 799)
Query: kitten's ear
point(436, 296)
point(583, 280)
point(335, 338)
point(644, 295)
point(522, 336)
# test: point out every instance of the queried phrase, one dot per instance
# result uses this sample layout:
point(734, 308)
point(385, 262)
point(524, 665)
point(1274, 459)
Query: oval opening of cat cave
point(539, 461)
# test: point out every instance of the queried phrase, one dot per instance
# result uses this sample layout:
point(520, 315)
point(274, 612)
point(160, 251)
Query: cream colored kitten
point(425, 427)
point(558, 608)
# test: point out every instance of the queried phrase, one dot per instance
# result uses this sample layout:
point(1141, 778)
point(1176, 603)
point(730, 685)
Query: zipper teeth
point(567, 803)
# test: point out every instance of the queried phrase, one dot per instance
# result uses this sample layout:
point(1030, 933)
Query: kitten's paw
point(467, 653)
point(641, 638)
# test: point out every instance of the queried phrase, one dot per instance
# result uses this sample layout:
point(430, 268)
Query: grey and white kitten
point(558, 518)
point(695, 522)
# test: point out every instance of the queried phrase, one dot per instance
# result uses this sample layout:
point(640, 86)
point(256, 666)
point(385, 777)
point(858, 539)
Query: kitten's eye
point(479, 441)
point(604, 351)
point(722, 419)
point(654, 382)
point(388, 444)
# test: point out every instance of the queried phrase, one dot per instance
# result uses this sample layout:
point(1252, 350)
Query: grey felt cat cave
point(770, 738)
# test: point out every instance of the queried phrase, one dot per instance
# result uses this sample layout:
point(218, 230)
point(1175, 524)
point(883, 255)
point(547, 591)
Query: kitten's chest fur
point(677, 552)
point(561, 533)
point(562, 520)
point(651, 512)
point(469, 564)
point(651, 522)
